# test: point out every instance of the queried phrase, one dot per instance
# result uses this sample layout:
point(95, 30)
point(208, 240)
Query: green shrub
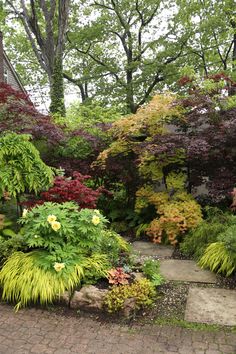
point(113, 244)
point(9, 240)
point(218, 259)
point(151, 268)
point(143, 291)
point(195, 243)
point(76, 147)
point(36, 276)
point(9, 245)
point(216, 224)
point(53, 225)
point(68, 247)
point(228, 237)
point(21, 168)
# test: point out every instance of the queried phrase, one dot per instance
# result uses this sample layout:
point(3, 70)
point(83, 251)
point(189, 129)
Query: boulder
point(88, 298)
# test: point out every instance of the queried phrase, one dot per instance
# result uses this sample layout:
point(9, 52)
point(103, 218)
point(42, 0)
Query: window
point(5, 75)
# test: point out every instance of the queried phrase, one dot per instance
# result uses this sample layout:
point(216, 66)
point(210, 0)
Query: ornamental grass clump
point(220, 256)
point(35, 276)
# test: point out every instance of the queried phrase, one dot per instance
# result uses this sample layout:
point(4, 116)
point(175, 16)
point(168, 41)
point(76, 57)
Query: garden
point(78, 192)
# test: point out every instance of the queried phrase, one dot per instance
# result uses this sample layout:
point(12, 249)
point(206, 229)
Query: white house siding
point(10, 78)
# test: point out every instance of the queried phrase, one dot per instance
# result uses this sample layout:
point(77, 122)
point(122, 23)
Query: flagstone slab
point(143, 248)
point(211, 305)
point(182, 270)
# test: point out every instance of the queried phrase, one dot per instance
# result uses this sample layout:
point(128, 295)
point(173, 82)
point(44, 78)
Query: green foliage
point(151, 268)
point(9, 245)
point(51, 225)
point(76, 147)
point(228, 237)
point(70, 247)
point(208, 231)
point(142, 291)
point(87, 116)
point(218, 259)
point(57, 89)
point(5, 231)
point(21, 168)
point(34, 276)
point(113, 244)
point(9, 240)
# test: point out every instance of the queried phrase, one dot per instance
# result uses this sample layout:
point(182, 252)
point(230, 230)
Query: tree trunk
point(131, 106)
point(57, 87)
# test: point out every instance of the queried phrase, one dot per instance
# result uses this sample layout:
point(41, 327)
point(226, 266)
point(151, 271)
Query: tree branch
point(98, 61)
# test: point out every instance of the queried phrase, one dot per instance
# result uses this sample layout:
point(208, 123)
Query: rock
point(137, 275)
point(65, 298)
point(88, 298)
point(129, 307)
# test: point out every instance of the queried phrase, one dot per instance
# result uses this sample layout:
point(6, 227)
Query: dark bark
point(48, 45)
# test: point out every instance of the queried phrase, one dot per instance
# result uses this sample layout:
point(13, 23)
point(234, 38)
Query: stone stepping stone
point(181, 270)
point(149, 249)
point(211, 305)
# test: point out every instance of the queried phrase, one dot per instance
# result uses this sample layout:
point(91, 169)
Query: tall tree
point(132, 44)
point(212, 34)
point(45, 23)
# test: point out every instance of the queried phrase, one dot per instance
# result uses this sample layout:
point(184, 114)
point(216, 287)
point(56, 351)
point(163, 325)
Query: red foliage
point(118, 276)
point(67, 189)
point(18, 114)
point(184, 80)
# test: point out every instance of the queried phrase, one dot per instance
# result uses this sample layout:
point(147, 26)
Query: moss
point(192, 325)
point(57, 88)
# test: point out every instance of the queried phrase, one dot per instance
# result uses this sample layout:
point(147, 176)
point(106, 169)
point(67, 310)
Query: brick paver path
point(38, 331)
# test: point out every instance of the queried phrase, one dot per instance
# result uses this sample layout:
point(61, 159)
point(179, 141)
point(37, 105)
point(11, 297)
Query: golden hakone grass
point(24, 281)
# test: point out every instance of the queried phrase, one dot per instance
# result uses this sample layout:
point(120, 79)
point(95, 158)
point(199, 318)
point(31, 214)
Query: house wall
point(1, 59)
point(9, 77)
point(7, 72)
